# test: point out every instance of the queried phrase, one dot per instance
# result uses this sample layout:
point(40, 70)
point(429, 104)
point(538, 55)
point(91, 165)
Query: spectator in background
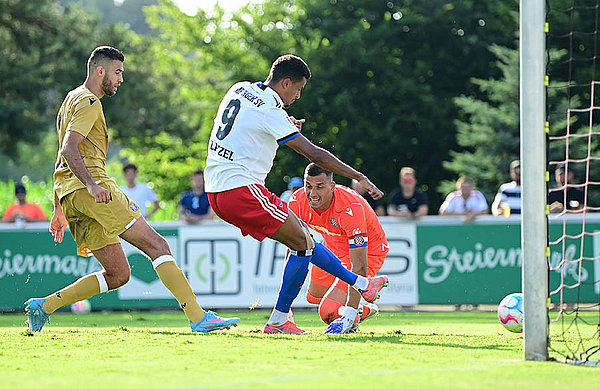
point(465, 201)
point(408, 201)
point(22, 211)
point(508, 198)
point(194, 205)
point(140, 193)
point(377, 205)
point(294, 184)
point(556, 197)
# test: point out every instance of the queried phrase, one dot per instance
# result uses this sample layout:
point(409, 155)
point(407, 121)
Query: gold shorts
point(97, 225)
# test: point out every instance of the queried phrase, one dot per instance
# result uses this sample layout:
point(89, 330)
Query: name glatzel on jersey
point(249, 126)
point(221, 151)
point(250, 97)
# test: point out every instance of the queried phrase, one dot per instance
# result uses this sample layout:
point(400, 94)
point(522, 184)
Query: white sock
point(348, 312)
point(278, 318)
point(361, 283)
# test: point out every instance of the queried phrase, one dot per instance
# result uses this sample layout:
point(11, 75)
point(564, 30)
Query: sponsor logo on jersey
point(333, 223)
point(133, 206)
point(349, 212)
point(92, 100)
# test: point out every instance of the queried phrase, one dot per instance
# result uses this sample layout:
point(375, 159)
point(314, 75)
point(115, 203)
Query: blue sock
point(326, 260)
point(294, 274)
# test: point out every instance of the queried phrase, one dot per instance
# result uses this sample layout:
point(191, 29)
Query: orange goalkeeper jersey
point(349, 222)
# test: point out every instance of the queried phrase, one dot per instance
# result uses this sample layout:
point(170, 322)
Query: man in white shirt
point(250, 125)
point(465, 201)
point(139, 192)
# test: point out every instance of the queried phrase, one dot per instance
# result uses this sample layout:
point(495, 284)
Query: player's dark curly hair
point(289, 66)
point(102, 54)
point(313, 170)
point(131, 166)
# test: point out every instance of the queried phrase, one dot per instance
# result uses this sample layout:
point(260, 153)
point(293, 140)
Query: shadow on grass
point(467, 342)
point(394, 337)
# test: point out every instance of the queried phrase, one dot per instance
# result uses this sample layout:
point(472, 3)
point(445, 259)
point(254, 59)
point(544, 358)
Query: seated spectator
point(294, 184)
point(22, 211)
point(465, 201)
point(377, 205)
point(140, 193)
point(508, 198)
point(408, 201)
point(556, 197)
point(194, 205)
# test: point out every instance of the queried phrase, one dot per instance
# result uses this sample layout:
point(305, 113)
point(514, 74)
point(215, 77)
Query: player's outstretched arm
point(330, 162)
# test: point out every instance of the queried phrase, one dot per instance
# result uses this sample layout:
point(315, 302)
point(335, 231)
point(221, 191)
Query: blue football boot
point(212, 322)
point(36, 316)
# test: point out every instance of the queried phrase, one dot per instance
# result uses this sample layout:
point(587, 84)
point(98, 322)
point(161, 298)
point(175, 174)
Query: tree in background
point(39, 61)
point(488, 129)
point(130, 12)
point(384, 76)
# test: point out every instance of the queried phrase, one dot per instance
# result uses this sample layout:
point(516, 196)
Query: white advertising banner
point(230, 271)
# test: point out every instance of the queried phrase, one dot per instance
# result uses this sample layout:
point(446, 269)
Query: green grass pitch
point(157, 350)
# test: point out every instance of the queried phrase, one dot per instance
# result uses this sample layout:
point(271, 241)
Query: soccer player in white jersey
point(249, 127)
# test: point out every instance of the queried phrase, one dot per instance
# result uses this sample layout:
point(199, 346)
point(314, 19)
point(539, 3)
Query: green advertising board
point(452, 262)
point(480, 264)
point(33, 265)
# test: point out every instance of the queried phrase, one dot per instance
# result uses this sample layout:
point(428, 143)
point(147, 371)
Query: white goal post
point(533, 170)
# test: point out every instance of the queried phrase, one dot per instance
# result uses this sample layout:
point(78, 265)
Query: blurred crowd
point(408, 201)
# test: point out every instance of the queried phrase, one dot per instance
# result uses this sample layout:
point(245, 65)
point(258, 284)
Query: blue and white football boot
point(341, 325)
point(36, 316)
point(211, 322)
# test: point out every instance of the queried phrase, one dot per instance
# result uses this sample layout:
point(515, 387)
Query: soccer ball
point(510, 312)
point(80, 307)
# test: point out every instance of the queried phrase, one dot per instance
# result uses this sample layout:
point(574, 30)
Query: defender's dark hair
point(102, 54)
point(199, 172)
point(313, 170)
point(130, 166)
point(288, 66)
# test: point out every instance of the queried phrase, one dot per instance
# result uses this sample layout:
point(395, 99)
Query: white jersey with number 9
point(249, 127)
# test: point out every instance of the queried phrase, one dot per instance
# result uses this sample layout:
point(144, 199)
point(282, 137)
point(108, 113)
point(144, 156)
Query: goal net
point(573, 176)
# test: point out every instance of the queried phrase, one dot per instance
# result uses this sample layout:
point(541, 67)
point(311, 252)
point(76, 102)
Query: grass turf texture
point(157, 350)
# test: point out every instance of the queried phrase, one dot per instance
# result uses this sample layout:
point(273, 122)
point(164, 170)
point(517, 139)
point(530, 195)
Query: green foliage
point(124, 11)
point(359, 108)
point(384, 76)
point(488, 130)
point(39, 60)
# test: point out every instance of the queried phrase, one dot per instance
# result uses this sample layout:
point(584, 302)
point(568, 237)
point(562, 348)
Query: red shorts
point(253, 209)
point(322, 278)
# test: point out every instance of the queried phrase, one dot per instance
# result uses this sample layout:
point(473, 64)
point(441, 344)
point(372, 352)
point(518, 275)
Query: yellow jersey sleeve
point(84, 116)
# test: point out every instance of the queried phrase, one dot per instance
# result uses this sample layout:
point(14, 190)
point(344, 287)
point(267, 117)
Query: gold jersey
point(81, 111)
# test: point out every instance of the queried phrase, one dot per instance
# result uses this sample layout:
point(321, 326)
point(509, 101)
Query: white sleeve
point(151, 195)
point(481, 202)
point(447, 204)
point(278, 124)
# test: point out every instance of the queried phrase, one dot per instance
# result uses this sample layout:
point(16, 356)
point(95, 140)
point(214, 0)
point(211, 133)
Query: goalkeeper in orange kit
point(352, 231)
